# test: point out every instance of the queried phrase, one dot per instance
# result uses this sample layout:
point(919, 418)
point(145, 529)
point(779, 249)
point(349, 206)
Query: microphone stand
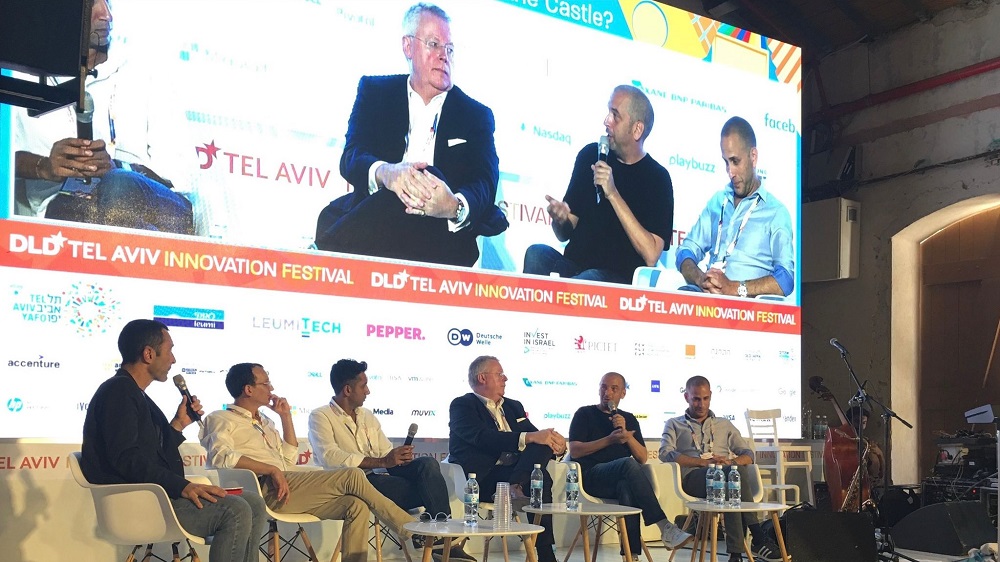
point(860, 399)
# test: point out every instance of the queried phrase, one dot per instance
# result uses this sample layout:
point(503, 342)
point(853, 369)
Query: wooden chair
point(763, 437)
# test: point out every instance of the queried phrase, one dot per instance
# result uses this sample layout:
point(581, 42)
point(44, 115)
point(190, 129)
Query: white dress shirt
point(338, 441)
point(233, 433)
point(496, 409)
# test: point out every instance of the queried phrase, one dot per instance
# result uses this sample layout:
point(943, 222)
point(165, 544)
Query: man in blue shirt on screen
point(744, 230)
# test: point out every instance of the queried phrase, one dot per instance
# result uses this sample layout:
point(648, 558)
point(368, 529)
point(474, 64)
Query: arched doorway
point(945, 313)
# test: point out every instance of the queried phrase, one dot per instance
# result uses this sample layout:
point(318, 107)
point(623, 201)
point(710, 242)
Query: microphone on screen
point(603, 148)
point(183, 388)
point(410, 434)
point(85, 121)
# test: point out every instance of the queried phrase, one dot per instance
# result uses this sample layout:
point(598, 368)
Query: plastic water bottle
point(719, 487)
point(572, 489)
point(537, 482)
point(733, 487)
point(472, 501)
point(710, 483)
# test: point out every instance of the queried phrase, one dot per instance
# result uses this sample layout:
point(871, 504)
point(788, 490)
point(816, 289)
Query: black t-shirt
point(590, 424)
point(599, 240)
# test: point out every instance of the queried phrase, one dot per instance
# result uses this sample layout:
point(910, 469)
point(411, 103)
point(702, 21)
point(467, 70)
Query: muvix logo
point(423, 413)
point(254, 167)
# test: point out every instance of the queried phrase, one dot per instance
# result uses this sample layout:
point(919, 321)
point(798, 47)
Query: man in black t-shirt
point(617, 214)
point(607, 443)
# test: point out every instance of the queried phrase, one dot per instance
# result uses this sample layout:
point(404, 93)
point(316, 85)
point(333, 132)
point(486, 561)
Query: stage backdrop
point(245, 109)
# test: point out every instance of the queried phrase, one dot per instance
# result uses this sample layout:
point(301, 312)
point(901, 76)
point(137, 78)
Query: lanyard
point(718, 236)
point(700, 443)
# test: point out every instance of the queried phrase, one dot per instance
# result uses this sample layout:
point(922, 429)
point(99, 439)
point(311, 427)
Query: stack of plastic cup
point(502, 507)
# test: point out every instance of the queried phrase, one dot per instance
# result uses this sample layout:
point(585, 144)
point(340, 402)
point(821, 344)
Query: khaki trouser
point(344, 494)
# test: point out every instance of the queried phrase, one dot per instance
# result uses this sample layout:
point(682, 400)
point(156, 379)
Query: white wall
point(908, 151)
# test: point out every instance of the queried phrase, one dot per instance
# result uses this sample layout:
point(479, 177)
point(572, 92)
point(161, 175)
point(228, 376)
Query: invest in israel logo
point(184, 317)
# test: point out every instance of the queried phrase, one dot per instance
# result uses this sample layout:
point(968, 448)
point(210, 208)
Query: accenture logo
point(40, 363)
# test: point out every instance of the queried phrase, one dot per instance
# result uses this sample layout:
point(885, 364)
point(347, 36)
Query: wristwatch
point(460, 213)
point(741, 291)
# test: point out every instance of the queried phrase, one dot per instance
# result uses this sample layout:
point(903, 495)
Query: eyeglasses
point(441, 517)
point(435, 46)
point(263, 383)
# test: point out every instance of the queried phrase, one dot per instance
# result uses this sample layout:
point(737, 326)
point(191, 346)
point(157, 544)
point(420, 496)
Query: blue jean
point(129, 200)
point(622, 479)
point(415, 484)
point(540, 259)
point(235, 523)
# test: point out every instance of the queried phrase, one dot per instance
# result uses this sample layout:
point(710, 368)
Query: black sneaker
point(767, 551)
point(735, 557)
point(458, 554)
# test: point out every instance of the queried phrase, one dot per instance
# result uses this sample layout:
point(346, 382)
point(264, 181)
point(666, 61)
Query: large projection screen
point(244, 107)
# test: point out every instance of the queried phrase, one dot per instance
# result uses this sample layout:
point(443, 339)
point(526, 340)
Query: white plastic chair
point(762, 426)
point(272, 545)
point(135, 514)
point(597, 522)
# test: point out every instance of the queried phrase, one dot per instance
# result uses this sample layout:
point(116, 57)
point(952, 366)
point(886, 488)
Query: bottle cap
point(538, 466)
point(472, 475)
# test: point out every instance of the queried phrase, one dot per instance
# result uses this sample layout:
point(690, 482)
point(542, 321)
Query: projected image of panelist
point(609, 447)
point(421, 157)
point(345, 434)
point(491, 435)
point(618, 210)
point(241, 436)
point(128, 440)
point(744, 230)
point(63, 172)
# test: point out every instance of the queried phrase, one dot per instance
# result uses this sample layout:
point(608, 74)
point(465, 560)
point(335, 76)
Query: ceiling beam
point(861, 21)
point(918, 9)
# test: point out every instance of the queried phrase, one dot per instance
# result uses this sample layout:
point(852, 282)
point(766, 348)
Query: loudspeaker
point(945, 528)
point(818, 536)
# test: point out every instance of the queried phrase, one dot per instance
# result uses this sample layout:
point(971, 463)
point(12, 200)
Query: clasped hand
point(77, 158)
point(423, 193)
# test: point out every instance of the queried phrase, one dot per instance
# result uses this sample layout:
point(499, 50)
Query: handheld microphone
point(837, 344)
point(603, 149)
point(85, 121)
point(410, 434)
point(183, 388)
point(612, 408)
point(85, 118)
